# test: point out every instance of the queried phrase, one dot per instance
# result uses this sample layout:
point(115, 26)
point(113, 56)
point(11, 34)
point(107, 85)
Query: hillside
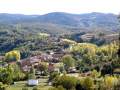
point(21, 31)
point(59, 22)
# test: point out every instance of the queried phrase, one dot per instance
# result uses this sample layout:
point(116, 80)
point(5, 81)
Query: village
point(54, 58)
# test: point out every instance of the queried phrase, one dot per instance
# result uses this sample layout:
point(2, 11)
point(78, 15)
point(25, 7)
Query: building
point(32, 82)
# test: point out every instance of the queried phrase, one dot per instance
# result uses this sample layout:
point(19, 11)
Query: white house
point(32, 82)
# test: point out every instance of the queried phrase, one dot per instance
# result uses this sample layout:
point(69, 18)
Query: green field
point(19, 85)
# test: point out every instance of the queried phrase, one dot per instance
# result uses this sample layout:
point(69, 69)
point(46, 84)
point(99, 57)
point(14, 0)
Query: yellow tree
point(12, 55)
point(110, 82)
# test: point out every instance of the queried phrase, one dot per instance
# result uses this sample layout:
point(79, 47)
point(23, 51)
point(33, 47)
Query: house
point(25, 65)
point(87, 37)
point(72, 70)
point(32, 82)
point(53, 57)
point(46, 57)
point(26, 68)
point(35, 60)
point(31, 61)
point(58, 55)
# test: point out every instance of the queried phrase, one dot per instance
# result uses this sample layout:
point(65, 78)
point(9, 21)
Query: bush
point(60, 88)
point(36, 88)
point(2, 86)
point(107, 69)
point(24, 88)
point(79, 86)
point(110, 82)
point(87, 83)
point(95, 74)
point(53, 75)
point(66, 81)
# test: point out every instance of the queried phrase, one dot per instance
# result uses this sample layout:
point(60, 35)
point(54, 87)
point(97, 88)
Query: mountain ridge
point(64, 20)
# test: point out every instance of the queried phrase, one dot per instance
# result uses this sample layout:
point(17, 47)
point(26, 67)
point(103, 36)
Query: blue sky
point(70, 6)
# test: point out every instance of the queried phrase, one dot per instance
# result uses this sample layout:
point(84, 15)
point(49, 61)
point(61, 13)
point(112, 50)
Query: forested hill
point(59, 22)
point(22, 31)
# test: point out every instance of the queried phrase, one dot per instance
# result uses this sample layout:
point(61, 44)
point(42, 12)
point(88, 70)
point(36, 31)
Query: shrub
point(107, 69)
point(60, 88)
point(66, 81)
point(24, 88)
point(88, 83)
point(53, 75)
point(110, 82)
point(2, 86)
point(79, 86)
point(95, 74)
point(36, 88)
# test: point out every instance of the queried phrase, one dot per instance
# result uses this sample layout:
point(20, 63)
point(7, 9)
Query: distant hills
point(59, 22)
point(23, 31)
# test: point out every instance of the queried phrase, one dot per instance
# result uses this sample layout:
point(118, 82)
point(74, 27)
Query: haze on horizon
point(29, 7)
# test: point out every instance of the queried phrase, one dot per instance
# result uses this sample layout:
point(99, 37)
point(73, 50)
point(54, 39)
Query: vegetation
point(86, 83)
point(12, 56)
point(11, 73)
point(68, 61)
point(66, 81)
point(79, 60)
point(91, 55)
point(99, 60)
point(43, 68)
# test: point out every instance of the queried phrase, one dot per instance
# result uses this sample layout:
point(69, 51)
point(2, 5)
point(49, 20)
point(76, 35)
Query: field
point(19, 85)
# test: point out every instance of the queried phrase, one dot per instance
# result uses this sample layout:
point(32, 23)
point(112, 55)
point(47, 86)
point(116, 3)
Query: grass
point(19, 85)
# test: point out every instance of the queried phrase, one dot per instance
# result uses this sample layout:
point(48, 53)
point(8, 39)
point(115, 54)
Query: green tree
point(17, 73)
point(68, 61)
point(95, 74)
point(53, 75)
point(6, 75)
point(69, 83)
point(31, 74)
point(88, 83)
point(43, 68)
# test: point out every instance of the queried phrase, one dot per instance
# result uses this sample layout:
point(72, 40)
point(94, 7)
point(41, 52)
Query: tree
point(110, 82)
point(107, 69)
point(68, 61)
point(43, 68)
point(12, 56)
point(86, 51)
point(67, 82)
point(53, 75)
point(25, 52)
point(11, 73)
point(31, 74)
point(95, 74)
point(2, 86)
point(6, 75)
point(88, 83)
point(17, 73)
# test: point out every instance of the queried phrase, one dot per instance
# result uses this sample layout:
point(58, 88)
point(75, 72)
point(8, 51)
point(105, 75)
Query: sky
point(40, 7)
